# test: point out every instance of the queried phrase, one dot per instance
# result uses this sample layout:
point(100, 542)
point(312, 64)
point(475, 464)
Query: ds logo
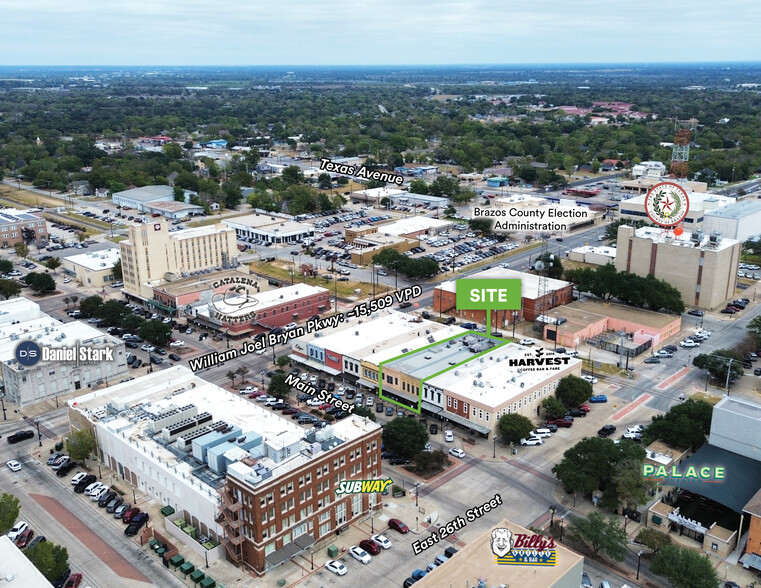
point(28, 353)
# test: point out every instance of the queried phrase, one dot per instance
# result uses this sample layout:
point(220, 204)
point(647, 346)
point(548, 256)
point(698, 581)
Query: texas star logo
point(666, 204)
point(522, 550)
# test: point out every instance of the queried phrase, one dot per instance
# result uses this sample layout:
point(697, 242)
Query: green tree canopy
point(603, 535)
point(53, 263)
point(686, 425)
point(573, 391)
point(363, 411)
point(118, 270)
point(553, 267)
point(50, 559)
point(6, 265)
point(553, 408)
point(156, 332)
point(80, 445)
point(9, 509)
point(39, 282)
point(112, 313)
point(653, 540)
point(514, 427)
point(9, 288)
point(22, 250)
point(684, 568)
point(418, 186)
point(718, 365)
point(405, 437)
point(90, 305)
point(282, 361)
point(278, 388)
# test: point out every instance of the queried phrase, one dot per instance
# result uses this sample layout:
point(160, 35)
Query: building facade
point(740, 221)
point(94, 268)
point(269, 229)
point(703, 268)
point(137, 198)
point(22, 226)
point(151, 251)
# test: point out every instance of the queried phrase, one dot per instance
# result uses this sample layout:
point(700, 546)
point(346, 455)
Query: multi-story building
point(22, 322)
point(151, 252)
point(258, 484)
point(741, 220)
point(650, 169)
point(702, 267)
point(700, 204)
point(269, 228)
point(534, 300)
point(22, 226)
point(94, 268)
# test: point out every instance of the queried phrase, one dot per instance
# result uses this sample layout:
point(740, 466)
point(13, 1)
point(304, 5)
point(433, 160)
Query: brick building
point(22, 226)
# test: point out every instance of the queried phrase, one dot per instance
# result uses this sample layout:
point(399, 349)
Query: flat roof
point(19, 308)
point(96, 260)
point(658, 235)
point(16, 565)
point(192, 233)
point(238, 306)
point(377, 240)
point(174, 206)
point(698, 200)
point(737, 210)
point(520, 199)
point(146, 193)
point(260, 221)
point(489, 380)
point(740, 406)
point(377, 192)
point(122, 410)
point(529, 282)
point(12, 215)
point(477, 560)
point(607, 251)
point(413, 224)
point(601, 309)
point(440, 356)
point(201, 282)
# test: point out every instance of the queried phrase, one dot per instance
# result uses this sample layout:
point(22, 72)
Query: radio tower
point(680, 155)
point(541, 267)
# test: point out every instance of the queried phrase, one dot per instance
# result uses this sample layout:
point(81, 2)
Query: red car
point(370, 546)
point(398, 525)
point(255, 394)
point(24, 539)
point(130, 514)
point(560, 422)
point(325, 406)
point(74, 581)
point(585, 407)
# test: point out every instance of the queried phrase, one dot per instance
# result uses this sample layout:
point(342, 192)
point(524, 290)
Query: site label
point(488, 294)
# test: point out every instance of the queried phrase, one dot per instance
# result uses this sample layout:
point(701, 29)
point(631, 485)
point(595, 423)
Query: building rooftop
point(371, 240)
point(413, 224)
point(268, 223)
point(14, 564)
point(606, 251)
point(201, 282)
point(737, 210)
point(174, 206)
point(237, 306)
point(140, 411)
point(529, 282)
point(146, 193)
point(377, 193)
point(740, 406)
point(690, 239)
point(199, 231)
point(698, 200)
point(19, 309)
point(477, 560)
point(97, 260)
point(14, 215)
point(589, 311)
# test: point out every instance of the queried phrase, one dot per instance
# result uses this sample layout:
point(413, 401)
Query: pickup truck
point(248, 390)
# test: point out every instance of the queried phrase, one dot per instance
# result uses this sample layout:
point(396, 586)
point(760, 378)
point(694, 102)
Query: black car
point(61, 580)
point(653, 360)
point(671, 348)
point(433, 429)
point(695, 312)
point(133, 528)
point(130, 344)
point(156, 359)
point(65, 469)
point(20, 436)
point(398, 461)
point(303, 397)
point(331, 386)
point(577, 412)
point(379, 407)
point(279, 406)
point(174, 357)
point(84, 483)
point(553, 428)
point(161, 351)
point(606, 431)
point(106, 498)
point(277, 331)
point(137, 363)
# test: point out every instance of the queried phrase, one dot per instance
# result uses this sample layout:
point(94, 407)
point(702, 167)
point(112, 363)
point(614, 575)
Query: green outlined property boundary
point(502, 343)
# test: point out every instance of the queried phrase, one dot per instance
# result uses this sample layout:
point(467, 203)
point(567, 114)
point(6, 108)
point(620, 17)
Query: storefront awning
point(430, 407)
point(287, 552)
point(751, 560)
point(462, 421)
point(314, 364)
point(367, 384)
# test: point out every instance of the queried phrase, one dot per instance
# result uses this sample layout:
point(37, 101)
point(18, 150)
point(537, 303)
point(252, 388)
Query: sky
point(375, 32)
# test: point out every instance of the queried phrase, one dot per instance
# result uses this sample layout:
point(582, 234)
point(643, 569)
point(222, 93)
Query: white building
point(375, 195)
point(94, 268)
point(269, 228)
point(700, 204)
point(651, 169)
point(594, 255)
point(17, 569)
point(22, 321)
point(137, 198)
point(740, 221)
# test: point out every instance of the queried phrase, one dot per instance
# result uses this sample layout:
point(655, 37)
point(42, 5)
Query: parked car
point(336, 567)
point(526, 342)
point(590, 379)
point(598, 398)
point(381, 540)
point(695, 312)
point(457, 452)
point(360, 554)
point(120, 510)
point(38, 539)
point(606, 430)
point(24, 538)
point(531, 441)
point(653, 359)
point(78, 478)
point(84, 483)
point(106, 498)
point(689, 343)
point(74, 581)
point(61, 580)
point(448, 436)
point(64, 469)
point(137, 522)
point(398, 526)
point(370, 546)
point(114, 504)
point(130, 514)
point(17, 529)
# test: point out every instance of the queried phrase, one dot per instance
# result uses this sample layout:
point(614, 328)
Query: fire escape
point(230, 519)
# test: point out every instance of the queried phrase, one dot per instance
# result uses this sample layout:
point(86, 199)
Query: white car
point(688, 343)
point(526, 342)
point(448, 436)
point(369, 401)
point(177, 343)
point(78, 478)
point(290, 326)
point(457, 452)
point(313, 380)
point(336, 567)
point(636, 429)
point(66, 280)
point(14, 466)
point(532, 441)
point(703, 333)
point(19, 528)
point(167, 320)
point(572, 353)
point(261, 351)
point(360, 554)
point(590, 379)
point(382, 540)
point(314, 402)
point(148, 348)
point(94, 487)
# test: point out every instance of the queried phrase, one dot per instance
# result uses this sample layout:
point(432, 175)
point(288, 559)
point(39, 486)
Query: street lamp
point(2, 401)
point(626, 521)
point(515, 318)
point(494, 456)
point(553, 509)
point(39, 435)
point(562, 521)
point(417, 484)
point(557, 326)
point(639, 560)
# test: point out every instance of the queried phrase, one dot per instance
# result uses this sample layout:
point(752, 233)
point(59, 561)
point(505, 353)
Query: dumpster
point(187, 568)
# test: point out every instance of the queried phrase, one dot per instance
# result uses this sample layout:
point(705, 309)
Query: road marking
point(671, 379)
point(641, 399)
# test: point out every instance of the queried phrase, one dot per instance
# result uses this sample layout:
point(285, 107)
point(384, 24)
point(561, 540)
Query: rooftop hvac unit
point(479, 375)
point(475, 382)
point(480, 384)
point(356, 333)
point(523, 384)
point(456, 372)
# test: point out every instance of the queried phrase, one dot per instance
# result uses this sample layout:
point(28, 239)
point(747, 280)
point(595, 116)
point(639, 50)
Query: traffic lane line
point(624, 411)
point(671, 379)
point(91, 540)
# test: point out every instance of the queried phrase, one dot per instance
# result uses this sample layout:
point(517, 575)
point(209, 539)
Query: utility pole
point(729, 371)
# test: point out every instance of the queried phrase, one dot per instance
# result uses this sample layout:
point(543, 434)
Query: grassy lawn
point(117, 238)
point(709, 398)
point(606, 368)
point(29, 199)
point(282, 272)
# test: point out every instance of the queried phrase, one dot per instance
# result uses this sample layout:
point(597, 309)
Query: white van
point(541, 433)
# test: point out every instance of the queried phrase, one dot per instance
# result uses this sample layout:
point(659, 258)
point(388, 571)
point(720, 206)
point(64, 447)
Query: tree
point(21, 249)
point(553, 408)
point(178, 194)
point(389, 259)
point(292, 175)
point(484, 225)
point(9, 509)
point(718, 365)
point(80, 444)
point(363, 411)
point(553, 268)
point(278, 387)
point(133, 323)
point(74, 300)
point(573, 391)
point(282, 361)
point(50, 559)
point(427, 462)
point(324, 182)
point(172, 150)
point(112, 313)
point(653, 540)
point(587, 466)
point(156, 332)
point(233, 195)
point(83, 237)
point(9, 288)
point(40, 283)
point(405, 437)
point(753, 327)
point(418, 186)
point(231, 375)
point(90, 305)
point(117, 269)
point(686, 425)
point(301, 199)
point(242, 371)
point(631, 487)
point(53, 263)
point(603, 535)
point(445, 186)
point(6, 265)
point(514, 427)
point(684, 568)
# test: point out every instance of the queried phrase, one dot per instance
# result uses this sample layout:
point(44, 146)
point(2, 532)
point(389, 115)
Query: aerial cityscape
point(476, 309)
